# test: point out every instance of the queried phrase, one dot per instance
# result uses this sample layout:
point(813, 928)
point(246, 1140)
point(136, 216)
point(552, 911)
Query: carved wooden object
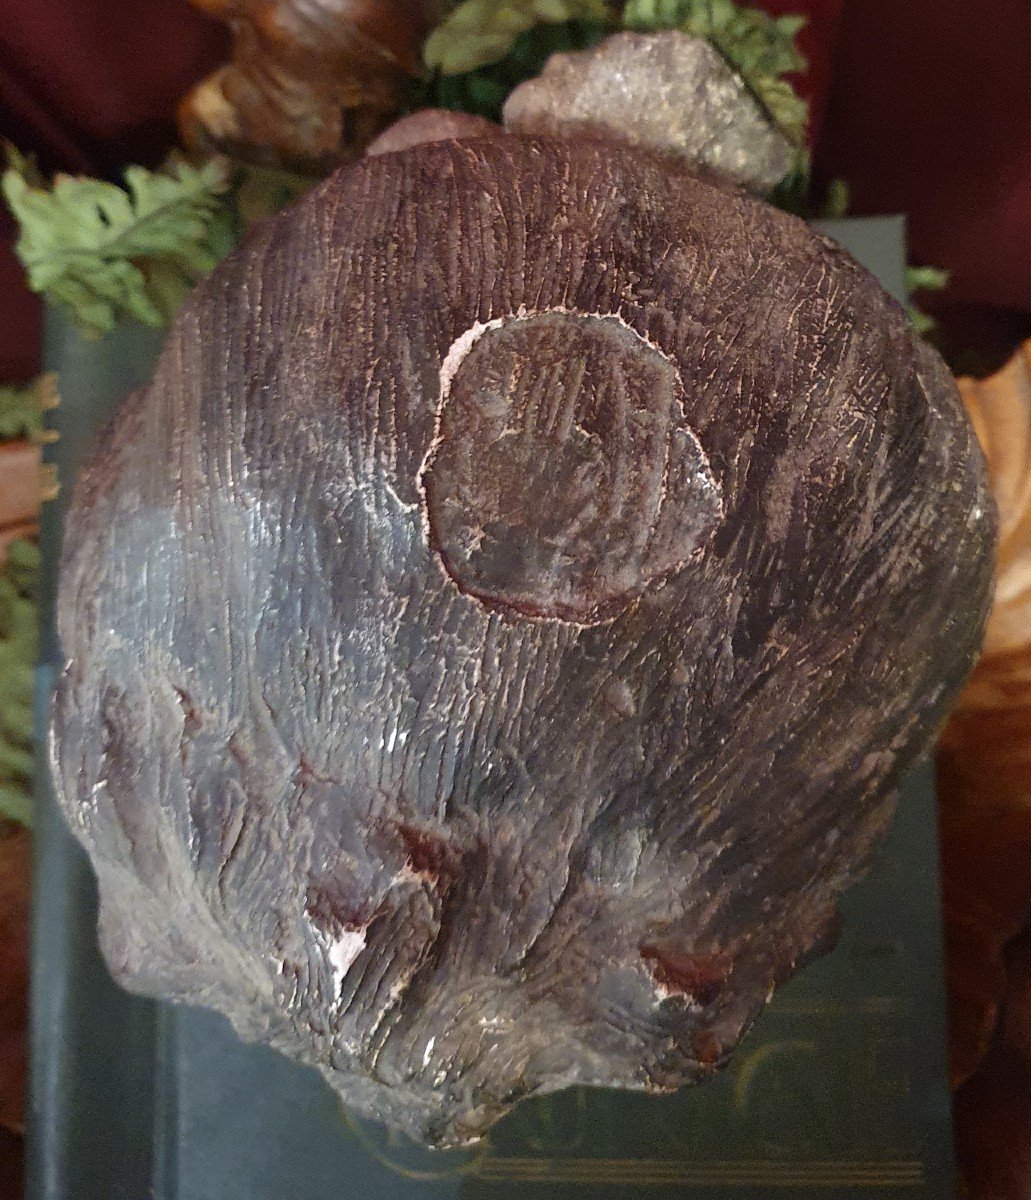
point(310, 81)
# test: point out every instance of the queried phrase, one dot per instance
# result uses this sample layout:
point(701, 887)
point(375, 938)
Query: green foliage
point(793, 193)
point(481, 32)
point(20, 413)
point(258, 192)
point(789, 111)
point(923, 279)
point(19, 635)
point(755, 42)
point(112, 254)
point(926, 279)
point(485, 90)
point(759, 47)
point(836, 202)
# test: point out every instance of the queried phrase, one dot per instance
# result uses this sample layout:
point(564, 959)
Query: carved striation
point(459, 818)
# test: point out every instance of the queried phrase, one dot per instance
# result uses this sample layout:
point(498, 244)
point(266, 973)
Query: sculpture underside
point(495, 634)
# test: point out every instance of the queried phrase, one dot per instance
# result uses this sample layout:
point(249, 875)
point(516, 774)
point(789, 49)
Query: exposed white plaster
point(343, 952)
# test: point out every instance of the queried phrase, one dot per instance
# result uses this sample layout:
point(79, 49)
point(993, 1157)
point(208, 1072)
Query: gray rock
point(666, 91)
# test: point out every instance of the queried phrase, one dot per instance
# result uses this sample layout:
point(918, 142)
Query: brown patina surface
point(466, 723)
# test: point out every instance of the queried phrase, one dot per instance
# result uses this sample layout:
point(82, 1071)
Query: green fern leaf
point(759, 47)
point(926, 279)
point(20, 413)
point(480, 32)
point(923, 279)
point(485, 90)
point(110, 253)
point(19, 635)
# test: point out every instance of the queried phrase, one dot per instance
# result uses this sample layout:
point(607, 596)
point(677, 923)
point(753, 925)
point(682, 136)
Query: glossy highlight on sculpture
point(496, 633)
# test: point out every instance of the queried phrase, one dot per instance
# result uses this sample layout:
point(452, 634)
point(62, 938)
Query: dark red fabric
point(19, 313)
point(929, 114)
point(91, 84)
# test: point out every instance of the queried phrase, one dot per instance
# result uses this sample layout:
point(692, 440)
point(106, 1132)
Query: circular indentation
point(563, 478)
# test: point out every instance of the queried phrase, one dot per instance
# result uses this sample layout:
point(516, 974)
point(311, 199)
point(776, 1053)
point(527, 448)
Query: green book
point(838, 1091)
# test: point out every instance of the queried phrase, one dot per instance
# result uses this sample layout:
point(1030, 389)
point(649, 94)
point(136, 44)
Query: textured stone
point(495, 634)
point(665, 91)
